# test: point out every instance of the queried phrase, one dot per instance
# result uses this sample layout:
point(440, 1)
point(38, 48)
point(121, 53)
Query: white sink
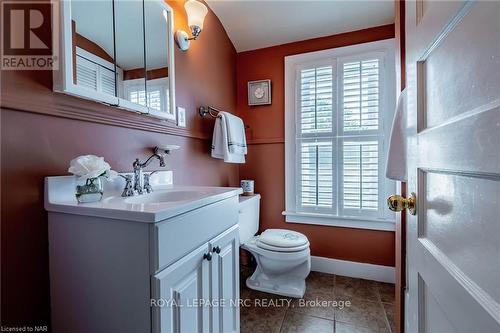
point(165, 202)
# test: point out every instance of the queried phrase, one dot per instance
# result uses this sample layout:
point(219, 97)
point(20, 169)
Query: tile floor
point(370, 310)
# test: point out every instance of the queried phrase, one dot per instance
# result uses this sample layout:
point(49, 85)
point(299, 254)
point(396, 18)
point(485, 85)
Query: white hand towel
point(217, 139)
point(396, 158)
point(235, 133)
point(228, 141)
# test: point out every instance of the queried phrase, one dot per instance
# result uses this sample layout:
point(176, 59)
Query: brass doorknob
point(397, 203)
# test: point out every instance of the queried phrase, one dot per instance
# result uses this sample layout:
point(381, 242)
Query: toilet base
point(284, 285)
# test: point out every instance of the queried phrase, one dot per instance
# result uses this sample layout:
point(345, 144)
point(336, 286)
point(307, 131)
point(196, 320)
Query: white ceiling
point(254, 24)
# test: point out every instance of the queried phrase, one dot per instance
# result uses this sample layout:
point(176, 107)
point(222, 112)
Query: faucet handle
point(147, 186)
point(128, 191)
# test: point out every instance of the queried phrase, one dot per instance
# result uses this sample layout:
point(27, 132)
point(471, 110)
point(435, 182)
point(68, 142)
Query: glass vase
point(91, 191)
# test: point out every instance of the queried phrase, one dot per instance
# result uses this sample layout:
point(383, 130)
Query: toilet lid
point(283, 238)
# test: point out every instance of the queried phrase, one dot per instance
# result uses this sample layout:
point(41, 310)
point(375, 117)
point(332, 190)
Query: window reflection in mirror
point(93, 45)
point(157, 57)
point(130, 62)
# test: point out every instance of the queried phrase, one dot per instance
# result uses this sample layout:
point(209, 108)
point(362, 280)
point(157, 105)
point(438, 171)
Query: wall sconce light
point(196, 12)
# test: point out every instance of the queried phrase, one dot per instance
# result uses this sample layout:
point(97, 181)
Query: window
point(157, 98)
point(339, 107)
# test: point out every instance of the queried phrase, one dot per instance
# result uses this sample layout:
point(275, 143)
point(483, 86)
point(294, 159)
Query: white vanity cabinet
point(200, 292)
point(122, 266)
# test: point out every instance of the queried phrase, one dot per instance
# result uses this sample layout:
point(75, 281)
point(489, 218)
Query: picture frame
point(259, 92)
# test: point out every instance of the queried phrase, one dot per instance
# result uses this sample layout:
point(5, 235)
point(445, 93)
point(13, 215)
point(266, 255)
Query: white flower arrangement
point(90, 167)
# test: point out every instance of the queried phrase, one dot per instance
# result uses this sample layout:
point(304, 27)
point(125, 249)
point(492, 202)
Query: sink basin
point(166, 201)
point(166, 196)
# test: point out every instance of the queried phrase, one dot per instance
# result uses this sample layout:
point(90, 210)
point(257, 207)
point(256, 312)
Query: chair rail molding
point(95, 112)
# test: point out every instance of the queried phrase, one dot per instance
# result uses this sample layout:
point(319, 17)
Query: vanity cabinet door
point(225, 281)
point(176, 291)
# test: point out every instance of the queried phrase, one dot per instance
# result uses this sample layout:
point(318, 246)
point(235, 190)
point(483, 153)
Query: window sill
point(340, 221)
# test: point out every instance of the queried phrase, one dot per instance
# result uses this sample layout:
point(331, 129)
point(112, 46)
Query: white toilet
point(283, 256)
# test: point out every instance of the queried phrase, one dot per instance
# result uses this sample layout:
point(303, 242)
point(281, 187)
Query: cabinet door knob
point(216, 249)
point(207, 256)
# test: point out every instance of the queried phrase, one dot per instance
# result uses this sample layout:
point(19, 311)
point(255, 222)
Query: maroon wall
point(266, 157)
point(35, 145)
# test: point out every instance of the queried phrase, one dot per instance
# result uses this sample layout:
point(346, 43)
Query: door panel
point(468, 143)
point(225, 266)
point(464, 214)
point(187, 290)
point(466, 307)
point(178, 287)
point(436, 320)
point(456, 72)
point(453, 61)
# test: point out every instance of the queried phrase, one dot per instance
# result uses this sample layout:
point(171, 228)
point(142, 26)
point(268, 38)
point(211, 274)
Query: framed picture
point(259, 92)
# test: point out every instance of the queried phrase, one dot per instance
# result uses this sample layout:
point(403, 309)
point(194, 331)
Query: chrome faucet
point(141, 180)
point(138, 174)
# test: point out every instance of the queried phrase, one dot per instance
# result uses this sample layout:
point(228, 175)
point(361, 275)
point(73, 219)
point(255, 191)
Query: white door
point(225, 278)
point(177, 288)
point(453, 67)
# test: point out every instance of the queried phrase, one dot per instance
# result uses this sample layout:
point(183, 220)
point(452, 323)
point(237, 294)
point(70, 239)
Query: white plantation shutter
point(360, 179)
point(107, 81)
point(94, 76)
point(138, 96)
point(360, 101)
point(339, 136)
point(360, 90)
point(154, 99)
point(316, 174)
point(86, 73)
point(157, 95)
point(315, 102)
point(316, 99)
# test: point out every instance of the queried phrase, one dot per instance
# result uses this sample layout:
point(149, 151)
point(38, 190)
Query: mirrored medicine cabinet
point(118, 52)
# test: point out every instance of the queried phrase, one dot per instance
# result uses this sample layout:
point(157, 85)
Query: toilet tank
point(248, 217)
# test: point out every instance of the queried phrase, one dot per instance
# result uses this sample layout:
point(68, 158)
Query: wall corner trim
point(353, 269)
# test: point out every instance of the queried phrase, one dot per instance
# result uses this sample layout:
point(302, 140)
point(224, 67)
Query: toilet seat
point(282, 240)
point(282, 256)
point(282, 249)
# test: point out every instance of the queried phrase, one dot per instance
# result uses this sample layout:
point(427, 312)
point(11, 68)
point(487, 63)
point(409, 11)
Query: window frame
point(384, 51)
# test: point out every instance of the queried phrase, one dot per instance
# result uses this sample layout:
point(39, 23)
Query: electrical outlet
point(181, 116)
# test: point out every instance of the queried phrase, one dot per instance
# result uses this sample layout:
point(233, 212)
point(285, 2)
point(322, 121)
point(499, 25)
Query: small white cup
point(247, 186)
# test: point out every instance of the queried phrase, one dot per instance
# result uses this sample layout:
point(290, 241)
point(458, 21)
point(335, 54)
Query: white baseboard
point(353, 269)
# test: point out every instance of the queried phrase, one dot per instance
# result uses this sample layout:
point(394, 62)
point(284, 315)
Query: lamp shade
point(196, 12)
